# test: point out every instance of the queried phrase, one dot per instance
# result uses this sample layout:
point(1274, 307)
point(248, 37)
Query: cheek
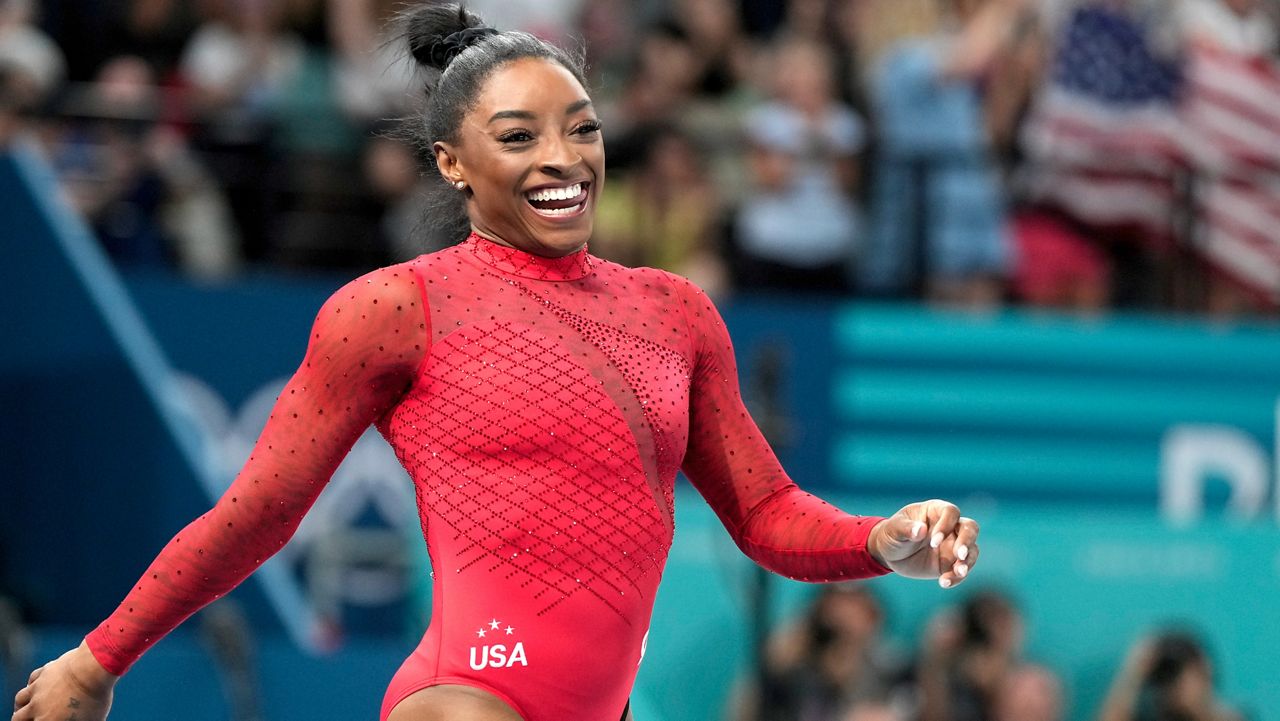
point(498, 182)
point(593, 156)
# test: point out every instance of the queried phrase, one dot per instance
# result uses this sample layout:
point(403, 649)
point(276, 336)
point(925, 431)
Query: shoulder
point(391, 289)
point(436, 263)
point(683, 297)
point(645, 282)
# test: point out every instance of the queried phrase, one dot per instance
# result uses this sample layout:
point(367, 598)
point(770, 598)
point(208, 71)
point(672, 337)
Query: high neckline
point(527, 265)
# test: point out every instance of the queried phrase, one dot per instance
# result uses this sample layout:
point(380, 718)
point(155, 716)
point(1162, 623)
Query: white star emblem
point(480, 633)
point(510, 630)
point(494, 624)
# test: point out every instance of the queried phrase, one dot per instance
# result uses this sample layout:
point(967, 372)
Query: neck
point(527, 248)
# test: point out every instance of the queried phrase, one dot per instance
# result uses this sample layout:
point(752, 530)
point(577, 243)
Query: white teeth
point(559, 211)
point(556, 193)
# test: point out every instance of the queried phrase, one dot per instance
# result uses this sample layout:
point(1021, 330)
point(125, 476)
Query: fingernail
point(917, 529)
point(962, 552)
point(944, 582)
point(962, 569)
point(937, 540)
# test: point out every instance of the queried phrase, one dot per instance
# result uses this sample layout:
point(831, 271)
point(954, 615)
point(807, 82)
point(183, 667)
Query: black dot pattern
point(542, 408)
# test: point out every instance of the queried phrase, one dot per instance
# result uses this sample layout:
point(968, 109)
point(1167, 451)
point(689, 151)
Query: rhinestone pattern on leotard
point(542, 407)
point(530, 467)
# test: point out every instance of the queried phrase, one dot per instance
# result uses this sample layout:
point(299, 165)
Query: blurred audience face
point(673, 160)
point(1181, 673)
point(853, 614)
point(665, 62)
point(1192, 690)
point(390, 167)
point(871, 711)
point(250, 17)
point(126, 81)
point(809, 17)
point(1028, 693)
point(16, 12)
point(711, 23)
point(992, 621)
point(804, 75)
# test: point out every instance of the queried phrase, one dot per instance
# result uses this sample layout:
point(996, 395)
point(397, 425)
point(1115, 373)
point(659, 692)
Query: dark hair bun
point(438, 33)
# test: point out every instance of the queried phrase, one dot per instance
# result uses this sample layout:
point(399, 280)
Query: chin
point(561, 241)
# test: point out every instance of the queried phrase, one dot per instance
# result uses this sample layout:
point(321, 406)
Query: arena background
point(1124, 464)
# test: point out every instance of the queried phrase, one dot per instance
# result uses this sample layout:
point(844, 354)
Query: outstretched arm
point(363, 352)
point(776, 524)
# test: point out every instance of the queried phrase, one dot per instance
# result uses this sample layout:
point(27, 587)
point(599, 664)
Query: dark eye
point(515, 136)
point(588, 127)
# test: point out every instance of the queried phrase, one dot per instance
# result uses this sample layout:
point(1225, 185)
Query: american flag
point(1118, 126)
point(1232, 124)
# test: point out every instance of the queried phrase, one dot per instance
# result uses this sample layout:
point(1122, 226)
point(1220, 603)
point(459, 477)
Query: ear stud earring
point(460, 184)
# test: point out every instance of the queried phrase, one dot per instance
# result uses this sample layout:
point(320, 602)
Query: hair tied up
point(443, 51)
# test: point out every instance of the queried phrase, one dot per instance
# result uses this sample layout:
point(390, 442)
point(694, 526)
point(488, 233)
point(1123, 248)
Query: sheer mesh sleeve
point(366, 344)
point(776, 524)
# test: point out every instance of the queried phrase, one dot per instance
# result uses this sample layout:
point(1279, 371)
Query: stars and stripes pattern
point(1232, 120)
point(1119, 130)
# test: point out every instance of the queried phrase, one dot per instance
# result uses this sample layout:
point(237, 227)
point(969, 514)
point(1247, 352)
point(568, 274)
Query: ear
point(447, 162)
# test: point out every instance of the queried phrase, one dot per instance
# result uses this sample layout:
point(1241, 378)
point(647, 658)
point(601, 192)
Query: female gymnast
point(542, 401)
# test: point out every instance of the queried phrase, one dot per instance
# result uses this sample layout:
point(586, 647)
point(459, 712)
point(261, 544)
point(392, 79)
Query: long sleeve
point(728, 460)
point(365, 347)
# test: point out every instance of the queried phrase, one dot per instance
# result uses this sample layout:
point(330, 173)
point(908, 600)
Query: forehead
point(534, 84)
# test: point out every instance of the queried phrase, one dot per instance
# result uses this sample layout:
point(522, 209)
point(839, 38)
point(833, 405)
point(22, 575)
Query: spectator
point(241, 60)
point(551, 20)
point(1058, 264)
point(831, 663)
point(872, 711)
point(392, 173)
point(719, 45)
point(34, 66)
point(1166, 678)
point(157, 32)
point(968, 658)
point(656, 90)
point(610, 33)
point(1028, 693)
point(798, 223)
point(137, 183)
point(664, 213)
point(938, 213)
point(372, 81)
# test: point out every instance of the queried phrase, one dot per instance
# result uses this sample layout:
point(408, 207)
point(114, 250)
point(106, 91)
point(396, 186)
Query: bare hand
point(928, 539)
point(74, 687)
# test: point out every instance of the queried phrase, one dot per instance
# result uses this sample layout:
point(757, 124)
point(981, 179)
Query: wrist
point(88, 671)
point(875, 542)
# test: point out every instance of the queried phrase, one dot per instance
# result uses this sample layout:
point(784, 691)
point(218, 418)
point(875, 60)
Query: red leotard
point(542, 408)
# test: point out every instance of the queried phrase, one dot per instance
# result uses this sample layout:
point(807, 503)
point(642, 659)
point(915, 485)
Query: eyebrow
point(526, 115)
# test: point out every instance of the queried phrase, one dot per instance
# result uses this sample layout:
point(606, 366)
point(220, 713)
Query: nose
point(559, 157)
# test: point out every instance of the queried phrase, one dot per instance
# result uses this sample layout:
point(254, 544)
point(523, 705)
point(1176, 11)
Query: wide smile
point(559, 202)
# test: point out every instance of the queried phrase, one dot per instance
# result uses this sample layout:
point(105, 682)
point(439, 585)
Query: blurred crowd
point(1079, 154)
point(835, 663)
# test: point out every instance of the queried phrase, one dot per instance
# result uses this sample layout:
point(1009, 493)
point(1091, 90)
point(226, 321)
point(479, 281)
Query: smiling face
point(531, 154)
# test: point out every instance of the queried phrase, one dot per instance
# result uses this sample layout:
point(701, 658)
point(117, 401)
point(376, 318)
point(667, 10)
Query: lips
point(559, 201)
